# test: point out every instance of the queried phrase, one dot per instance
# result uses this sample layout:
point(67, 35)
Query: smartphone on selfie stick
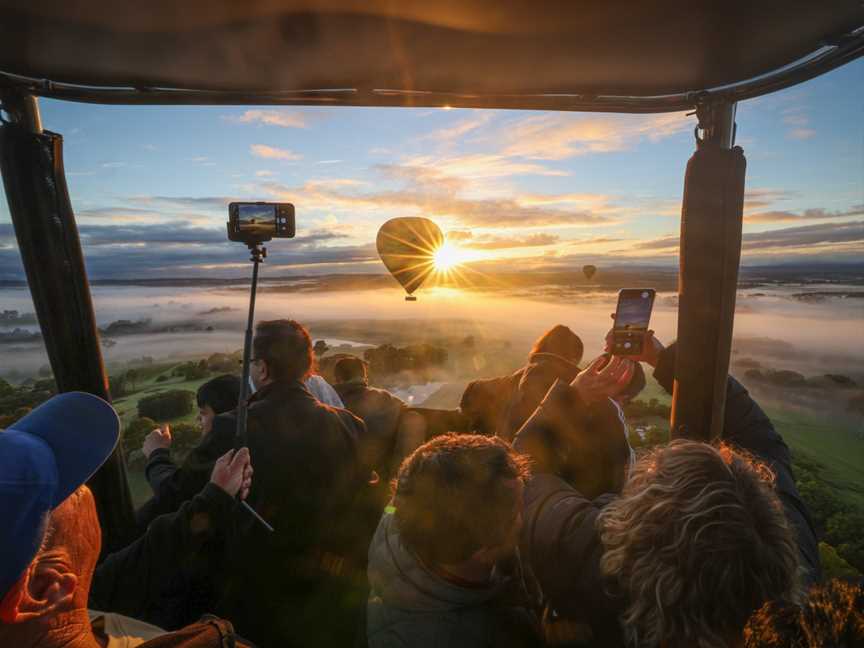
point(632, 317)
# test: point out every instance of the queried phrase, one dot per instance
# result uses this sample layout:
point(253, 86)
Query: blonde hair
point(697, 541)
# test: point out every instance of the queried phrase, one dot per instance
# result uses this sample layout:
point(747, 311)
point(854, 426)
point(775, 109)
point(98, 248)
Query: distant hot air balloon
point(589, 271)
point(407, 247)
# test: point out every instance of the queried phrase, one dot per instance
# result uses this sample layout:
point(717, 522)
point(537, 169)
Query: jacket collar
point(281, 389)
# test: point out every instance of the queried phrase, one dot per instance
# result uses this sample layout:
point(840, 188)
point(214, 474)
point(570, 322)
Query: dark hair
point(451, 499)
point(347, 369)
point(561, 341)
point(286, 347)
point(220, 393)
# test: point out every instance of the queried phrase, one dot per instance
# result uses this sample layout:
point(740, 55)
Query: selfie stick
point(258, 255)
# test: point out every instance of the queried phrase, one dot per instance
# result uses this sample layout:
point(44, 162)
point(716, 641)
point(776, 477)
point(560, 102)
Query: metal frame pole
point(31, 161)
point(709, 259)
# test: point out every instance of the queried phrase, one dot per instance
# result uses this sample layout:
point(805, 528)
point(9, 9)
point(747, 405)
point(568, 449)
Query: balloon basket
point(410, 298)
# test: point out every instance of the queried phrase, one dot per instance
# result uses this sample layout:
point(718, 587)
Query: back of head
point(697, 541)
point(286, 347)
point(220, 393)
point(452, 497)
point(561, 341)
point(832, 615)
point(350, 370)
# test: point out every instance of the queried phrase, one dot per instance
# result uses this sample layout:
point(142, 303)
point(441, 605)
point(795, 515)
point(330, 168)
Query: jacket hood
point(545, 358)
point(398, 578)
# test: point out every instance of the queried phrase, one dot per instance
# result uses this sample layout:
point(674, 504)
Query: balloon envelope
point(589, 270)
point(407, 247)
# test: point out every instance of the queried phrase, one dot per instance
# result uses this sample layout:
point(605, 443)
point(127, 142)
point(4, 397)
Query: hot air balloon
point(407, 247)
point(589, 271)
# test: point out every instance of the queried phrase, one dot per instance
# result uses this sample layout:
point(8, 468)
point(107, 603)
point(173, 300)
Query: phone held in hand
point(632, 317)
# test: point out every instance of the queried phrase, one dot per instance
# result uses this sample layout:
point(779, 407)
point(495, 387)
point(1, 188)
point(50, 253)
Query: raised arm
point(747, 426)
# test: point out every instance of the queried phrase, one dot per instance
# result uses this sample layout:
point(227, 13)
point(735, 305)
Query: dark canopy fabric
point(506, 53)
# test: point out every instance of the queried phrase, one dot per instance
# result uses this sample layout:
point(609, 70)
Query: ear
point(48, 586)
point(11, 602)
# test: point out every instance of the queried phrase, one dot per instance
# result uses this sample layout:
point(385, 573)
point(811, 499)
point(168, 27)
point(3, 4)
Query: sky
point(512, 189)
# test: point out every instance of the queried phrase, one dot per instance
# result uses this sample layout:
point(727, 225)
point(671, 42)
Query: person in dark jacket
point(214, 397)
point(442, 567)
point(309, 573)
point(699, 537)
point(140, 581)
point(379, 409)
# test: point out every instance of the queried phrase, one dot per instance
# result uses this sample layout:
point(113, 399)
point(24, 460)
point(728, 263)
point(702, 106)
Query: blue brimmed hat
point(44, 458)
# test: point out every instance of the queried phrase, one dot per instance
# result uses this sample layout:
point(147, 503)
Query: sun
point(447, 257)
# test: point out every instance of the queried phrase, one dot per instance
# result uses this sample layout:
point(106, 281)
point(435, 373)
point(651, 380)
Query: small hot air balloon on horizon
point(589, 270)
point(407, 248)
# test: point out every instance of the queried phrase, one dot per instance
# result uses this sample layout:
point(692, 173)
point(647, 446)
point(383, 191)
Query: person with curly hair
point(699, 537)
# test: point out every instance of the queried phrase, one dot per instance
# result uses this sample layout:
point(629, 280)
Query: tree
point(833, 566)
point(132, 378)
point(166, 405)
point(5, 388)
point(134, 433)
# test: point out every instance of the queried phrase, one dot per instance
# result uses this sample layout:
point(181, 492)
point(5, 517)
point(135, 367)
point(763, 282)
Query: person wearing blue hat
point(51, 537)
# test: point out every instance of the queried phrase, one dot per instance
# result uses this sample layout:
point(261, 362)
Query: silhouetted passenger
point(699, 538)
point(832, 616)
point(501, 405)
point(309, 575)
point(378, 408)
point(443, 567)
point(214, 397)
point(51, 536)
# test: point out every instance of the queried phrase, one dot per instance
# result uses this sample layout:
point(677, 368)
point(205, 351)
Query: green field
point(833, 444)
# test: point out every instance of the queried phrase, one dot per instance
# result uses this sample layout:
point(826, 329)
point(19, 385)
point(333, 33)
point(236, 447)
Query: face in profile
point(205, 419)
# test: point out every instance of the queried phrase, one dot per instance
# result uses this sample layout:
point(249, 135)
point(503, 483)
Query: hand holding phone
point(632, 317)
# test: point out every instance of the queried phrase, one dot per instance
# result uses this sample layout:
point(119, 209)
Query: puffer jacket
point(411, 606)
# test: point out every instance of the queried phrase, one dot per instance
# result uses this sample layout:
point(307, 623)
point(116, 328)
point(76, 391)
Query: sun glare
point(446, 257)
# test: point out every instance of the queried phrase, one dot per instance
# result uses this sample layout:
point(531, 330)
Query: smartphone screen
point(631, 320)
point(634, 309)
point(254, 218)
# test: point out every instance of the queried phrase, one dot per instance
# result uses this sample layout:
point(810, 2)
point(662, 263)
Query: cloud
point(799, 120)
point(212, 203)
point(560, 136)
point(461, 128)
point(802, 133)
point(283, 118)
point(138, 251)
point(823, 235)
point(273, 153)
point(779, 216)
point(488, 242)
point(265, 174)
point(758, 198)
point(465, 168)
point(113, 165)
point(432, 196)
